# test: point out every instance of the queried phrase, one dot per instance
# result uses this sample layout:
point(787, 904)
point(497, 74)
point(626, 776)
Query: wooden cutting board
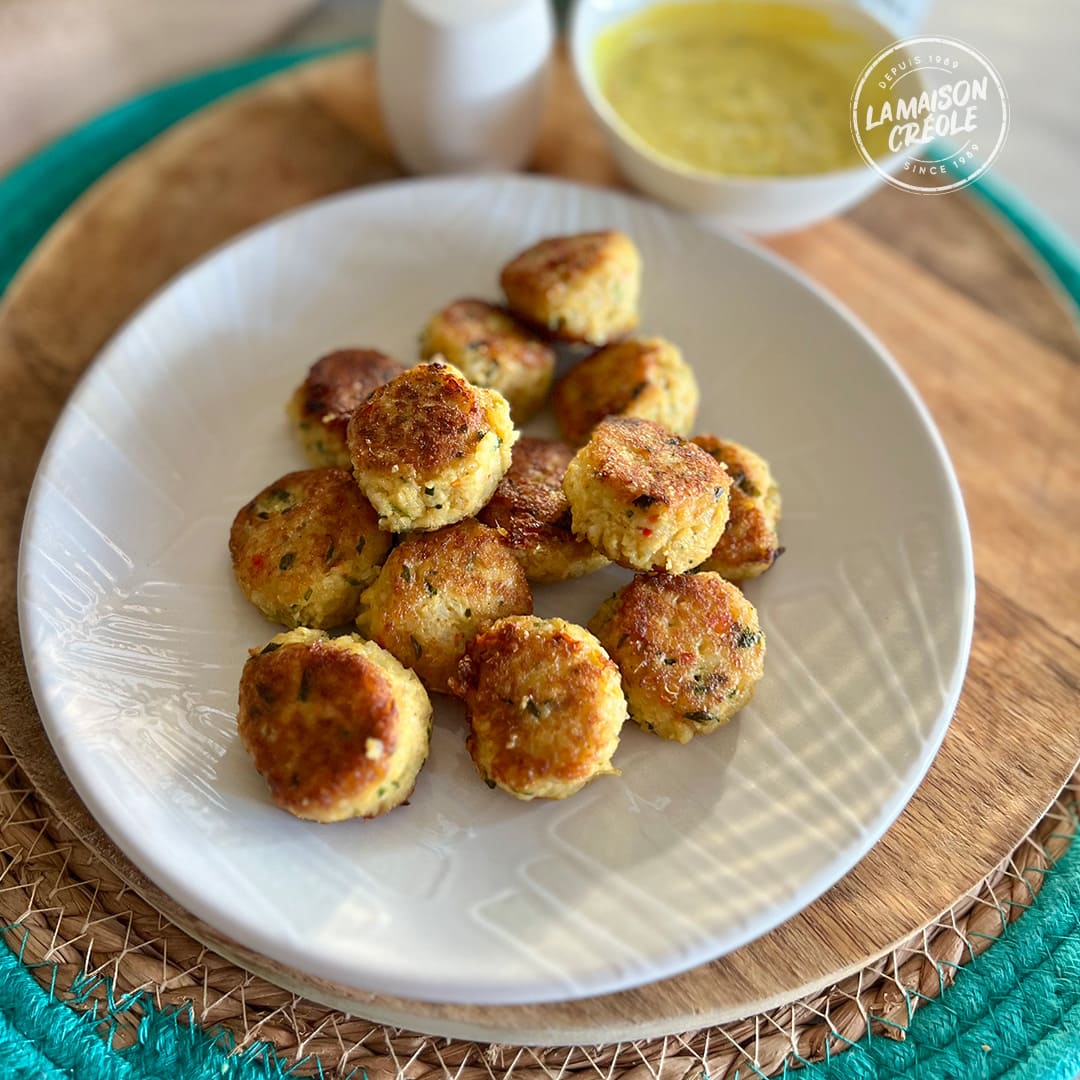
point(951, 292)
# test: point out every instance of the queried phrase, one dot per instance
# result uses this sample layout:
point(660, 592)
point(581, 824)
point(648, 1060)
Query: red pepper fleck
point(258, 561)
point(646, 532)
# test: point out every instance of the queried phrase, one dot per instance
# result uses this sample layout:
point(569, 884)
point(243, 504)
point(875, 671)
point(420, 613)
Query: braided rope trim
point(99, 946)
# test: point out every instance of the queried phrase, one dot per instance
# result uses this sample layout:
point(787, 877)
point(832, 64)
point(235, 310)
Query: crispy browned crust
point(606, 383)
point(749, 544)
point(464, 567)
point(306, 524)
point(657, 629)
point(647, 464)
point(531, 691)
point(529, 505)
point(338, 382)
point(306, 713)
point(491, 330)
point(422, 420)
point(531, 510)
point(557, 259)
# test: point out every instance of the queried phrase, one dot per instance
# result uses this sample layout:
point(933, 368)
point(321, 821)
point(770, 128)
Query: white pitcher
point(462, 83)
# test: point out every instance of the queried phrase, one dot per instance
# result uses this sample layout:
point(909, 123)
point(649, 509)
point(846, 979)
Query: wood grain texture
point(987, 343)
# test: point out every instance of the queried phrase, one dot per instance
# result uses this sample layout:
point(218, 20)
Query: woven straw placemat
point(98, 945)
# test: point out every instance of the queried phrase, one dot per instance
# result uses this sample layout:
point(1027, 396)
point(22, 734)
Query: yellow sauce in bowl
point(736, 87)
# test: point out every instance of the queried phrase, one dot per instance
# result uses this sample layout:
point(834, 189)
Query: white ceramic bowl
point(756, 204)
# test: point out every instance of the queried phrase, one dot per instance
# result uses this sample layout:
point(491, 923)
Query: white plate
point(135, 634)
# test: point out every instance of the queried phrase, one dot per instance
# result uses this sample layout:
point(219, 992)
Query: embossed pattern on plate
point(134, 632)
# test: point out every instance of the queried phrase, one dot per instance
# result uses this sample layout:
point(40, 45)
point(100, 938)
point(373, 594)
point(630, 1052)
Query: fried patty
point(436, 590)
point(543, 704)
point(493, 349)
point(645, 497)
point(429, 448)
point(689, 647)
point(531, 509)
point(306, 547)
point(579, 288)
point(749, 544)
point(336, 727)
point(646, 378)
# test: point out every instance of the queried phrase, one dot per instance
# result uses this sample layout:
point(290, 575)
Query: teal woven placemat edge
point(44, 1038)
point(1060, 254)
point(1012, 1014)
point(38, 191)
point(1057, 251)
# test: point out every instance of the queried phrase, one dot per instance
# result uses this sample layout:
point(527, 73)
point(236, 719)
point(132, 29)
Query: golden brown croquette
point(749, 544)
point(543, 704)
point(492, 349)
point(645, 497)
point(435, 590)
point(645, 378)
point(689, 647)
point(429, 448)
point(579, 288)
point(531, 509)
point(337, 727)
point(306, 547)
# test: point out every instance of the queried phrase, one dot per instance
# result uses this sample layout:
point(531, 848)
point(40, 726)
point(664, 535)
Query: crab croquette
point(429, 448)
point(305, 548)
point(531, 509)
point(646, 378)
point(492, 349)
point(689, 647)
point(646, 498)
point(436, 590)
point(579, 288)
point(749, 544)
point(543, 704)
point(336, 727)
point(321, 405)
